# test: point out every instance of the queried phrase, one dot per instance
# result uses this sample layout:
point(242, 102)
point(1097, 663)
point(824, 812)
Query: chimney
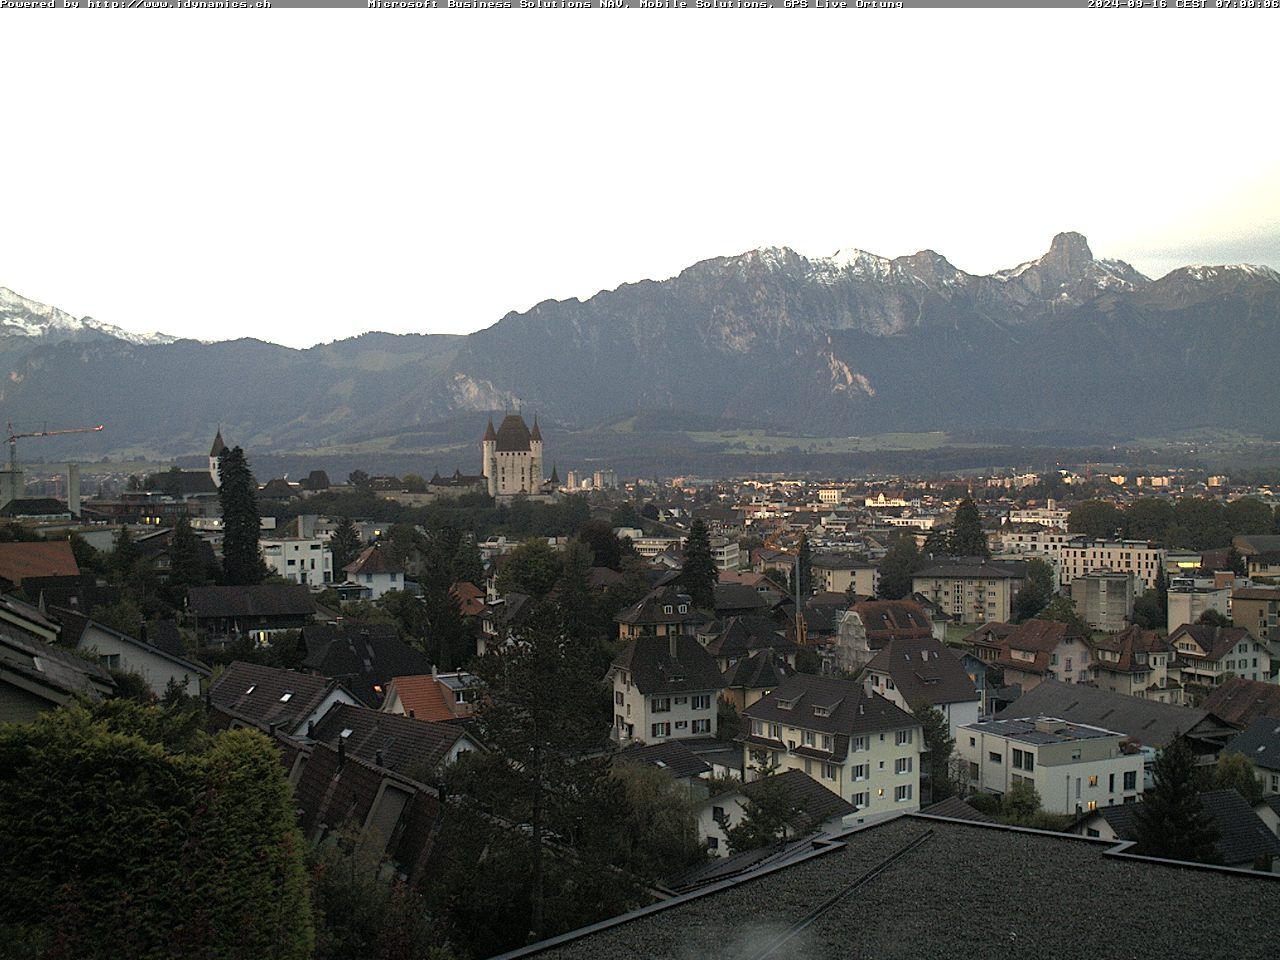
point(377, 757)
point(311, 728)
point(411, 716)
point(73, 488)
point(342, 753)
point(271, 730)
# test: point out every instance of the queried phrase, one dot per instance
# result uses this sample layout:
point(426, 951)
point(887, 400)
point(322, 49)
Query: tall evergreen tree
point(1172, 822)
point(344, 544)
point(125, 555)
point(467, 564)
point(898, 567)
point(939, 747)
point(967, 537)
point(186, 567)
point(238, 494)
point(1036, 591)
point(699, 575)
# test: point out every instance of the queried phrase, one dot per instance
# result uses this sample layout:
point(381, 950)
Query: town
point(525, 708)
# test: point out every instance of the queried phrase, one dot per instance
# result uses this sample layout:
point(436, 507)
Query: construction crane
point(15, 437)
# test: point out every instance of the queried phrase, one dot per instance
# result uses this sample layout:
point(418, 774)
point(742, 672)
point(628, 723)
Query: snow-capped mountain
point(20, 317)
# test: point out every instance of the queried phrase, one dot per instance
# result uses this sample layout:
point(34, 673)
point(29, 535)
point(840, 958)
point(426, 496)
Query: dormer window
point(822, 711)
point(684, 608)
point(286, 696)
point(667, 608)
point(786, 704)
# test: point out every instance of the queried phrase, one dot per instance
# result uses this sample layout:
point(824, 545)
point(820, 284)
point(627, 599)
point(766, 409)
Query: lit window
point(286, 696)
point(1093, 781)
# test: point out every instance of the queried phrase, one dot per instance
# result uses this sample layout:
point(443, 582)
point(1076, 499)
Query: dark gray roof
point(959, 567)
point(1240, 702)
point(742, 636)
point(58, 670)
point(1149, 722)
point(513, 435)
point(849, 710)
point(924, 670)
point(651, 609)
point(259, 600)
point(654, 670)
point(837, 561)
point(956, 809)
point(936, 888)
point(255, 693)
point(1242, 836)
point(1260, 743)
point(365, 662)
point(739, 596)
point(414, 748)
point(670, 755)
point(764, 669)
point(817, 804)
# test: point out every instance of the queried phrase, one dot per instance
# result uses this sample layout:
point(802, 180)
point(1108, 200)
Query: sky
point(323, 173)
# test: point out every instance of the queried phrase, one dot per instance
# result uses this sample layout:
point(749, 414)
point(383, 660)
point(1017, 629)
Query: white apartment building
point(1189, 597)
point(664, 688)
point(1046, 516)
point(725, 553)
point(859, 746)
point(299, 560)
point(1073, 767)
point(1081, 557)
point(830, 495)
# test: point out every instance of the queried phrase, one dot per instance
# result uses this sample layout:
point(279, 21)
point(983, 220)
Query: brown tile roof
point(45, 558)
point(1129, 644)
point(1040, 636)
point(513, 435)
point(1240, 702)
point(256, 694)
point(893, 619)
point(470, 598)
point(922, 670)
point(1217, 642)
point(374, 559)
point(425, 697)
point(1256, 593)
point(412, 748)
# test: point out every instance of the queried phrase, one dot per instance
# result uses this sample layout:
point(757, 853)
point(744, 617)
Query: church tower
point(215, 453)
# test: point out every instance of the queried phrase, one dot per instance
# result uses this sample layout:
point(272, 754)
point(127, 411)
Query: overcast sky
point(304, 176)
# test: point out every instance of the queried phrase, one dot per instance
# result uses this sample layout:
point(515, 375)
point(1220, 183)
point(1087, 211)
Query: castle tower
point(488, 466)
point(215, 453)
point(535, 466)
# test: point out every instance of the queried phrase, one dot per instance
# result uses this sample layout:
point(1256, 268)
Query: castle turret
point(488, 467)
point(535, 448)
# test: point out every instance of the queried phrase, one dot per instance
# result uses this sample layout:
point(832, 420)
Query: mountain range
point(853, 343)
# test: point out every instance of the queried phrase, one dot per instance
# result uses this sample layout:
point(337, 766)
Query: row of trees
point(1191, 523)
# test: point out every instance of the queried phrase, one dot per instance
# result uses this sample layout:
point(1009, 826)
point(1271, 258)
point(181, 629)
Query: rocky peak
point(1069, 257)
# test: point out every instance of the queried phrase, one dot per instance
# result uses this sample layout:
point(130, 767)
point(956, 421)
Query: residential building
point(664, 611)
point(376, 571)
point(1039, 650)
point(911, 672)
point(1208, 655)
point(736, 638)
point(1081, 557)
point(816, 809)
point(1190, 597)
point(1139, 663)
point(418, 749)
point(837, 573)
point(164, 670)
point(1260, 745)
point(1243, 839)
point(1073, 767)
point(1104, 599)
point(1050, 516)
point(364, 656)
point(440, 697)
point(725, 553)
point(22, 560)
point(1257, 609)
point(1261, 555)
point(273, 699)
point(256, 611)
point(664, 687)
point(299, 560)
point(1240, 702)
point(972, 590)
point(858, 745)
point(676, 760)
point(36, 676)
point(867, 626)
point(754, 677)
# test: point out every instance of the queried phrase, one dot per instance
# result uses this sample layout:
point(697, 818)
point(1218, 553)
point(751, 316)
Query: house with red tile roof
point(439, 697)
point(43, 558)
point(1040, 650)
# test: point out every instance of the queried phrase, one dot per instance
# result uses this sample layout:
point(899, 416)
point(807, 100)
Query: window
point(617, 697)
point(973, 742)
point(861, 799)
point(860, 771)
point(775, 731)
point(1131, 780)
point(717, 814)
point(829, 771)
point(1111, 783)
point(660, 730)
point(1017, 758)
point(1093, 804)
point(713, 843)
point(1090, 832)
point(902, 765)
point(684, 608)
point(667, 608)
point(826, 741)
point(808, 738)
point(286, 696)
point(661, 705)
point(701, 702)
point(902, 736)
point(994, 757)
point(1093, 781)
point(902, 793)
point(682, 724)
point(702, 726)
point(680, 700)
point(973, 771)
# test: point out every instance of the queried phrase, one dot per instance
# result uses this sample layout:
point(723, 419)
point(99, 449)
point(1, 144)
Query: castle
point(512, 460)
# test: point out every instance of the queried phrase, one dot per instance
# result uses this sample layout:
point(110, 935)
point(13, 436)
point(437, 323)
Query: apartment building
point(972, 590)
point(1081, 557)
point(1104, 599)
point(1208, 655)
point(1073, 767)
point(1139, 663)
point(1190, 597)
point(664, 688)
point(834, 573)
point(1039, 650)
point(305, 560)
point(1257, 609)
point(859, 746)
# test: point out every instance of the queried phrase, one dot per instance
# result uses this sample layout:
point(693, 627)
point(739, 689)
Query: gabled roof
point(257, 694)
point(1242, 836)
point(258, 600)
point(763, 670)
point(374, 559)
point(426, 696)
point(410, 747)
point(923, 670)
point(1134, 646)
point(1217, 642)
point(1039, 636)
point(889, 619)
point(1240, 702)
point(739, 596)
point(651, 609)
point(365, 661)
point(670, 755)
point(953, 808)
point(654, 671)
point(741, 636)
point(74, 626)
point(1149, 722)
point(1256, 593)
point(1260, 743)
point(817, 804)
point(829, 705)
point(470, 598)
point(34, 507)
point(54, 671)
point(40, 558)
